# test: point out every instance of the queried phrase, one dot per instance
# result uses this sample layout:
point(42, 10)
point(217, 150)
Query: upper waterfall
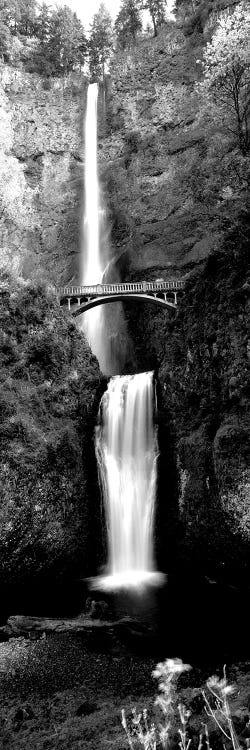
point(105, 331)
point(92, 264)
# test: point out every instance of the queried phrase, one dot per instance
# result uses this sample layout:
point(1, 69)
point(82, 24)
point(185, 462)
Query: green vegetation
point(53, 42)
point(227, 74)
point(62, 45)
point(100, 42)
point(176, 724)
point(45, 41)
point(157, 10)
point(128, 23)
point(49, 394)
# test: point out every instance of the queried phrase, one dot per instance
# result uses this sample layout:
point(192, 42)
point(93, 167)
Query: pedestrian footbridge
point(79, 299)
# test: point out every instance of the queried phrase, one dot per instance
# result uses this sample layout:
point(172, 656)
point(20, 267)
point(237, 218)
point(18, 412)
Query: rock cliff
point(41, 172)
point(50, 387)
point(154, 137)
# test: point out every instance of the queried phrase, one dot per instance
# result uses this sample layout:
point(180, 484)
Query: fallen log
point(23, 626)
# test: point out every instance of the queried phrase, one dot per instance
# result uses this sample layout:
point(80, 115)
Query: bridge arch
point(121, 298)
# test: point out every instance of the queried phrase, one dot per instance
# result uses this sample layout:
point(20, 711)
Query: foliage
point(62, 45)
point(58, 40)
point(5, 41)
point(100, 42)
point(227, 73)
point(43, 24)
point(140, 732)
point(67, 44)
point(128, 22)
point(157, 10)
point(19, 16)
point(27, 22)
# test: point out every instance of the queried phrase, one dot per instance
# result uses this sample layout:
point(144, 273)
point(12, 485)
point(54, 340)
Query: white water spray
point(126, 449)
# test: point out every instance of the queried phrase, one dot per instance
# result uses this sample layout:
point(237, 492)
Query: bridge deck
point(141, 287)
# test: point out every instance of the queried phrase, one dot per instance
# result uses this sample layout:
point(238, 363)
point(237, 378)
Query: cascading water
point(126, 441)
point(99, 325)
point(92, 270)
point(126, 449)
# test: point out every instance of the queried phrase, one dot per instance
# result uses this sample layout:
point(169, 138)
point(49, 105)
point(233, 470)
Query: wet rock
point(96, 610)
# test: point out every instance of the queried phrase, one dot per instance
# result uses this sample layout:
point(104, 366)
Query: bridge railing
point(99, 290)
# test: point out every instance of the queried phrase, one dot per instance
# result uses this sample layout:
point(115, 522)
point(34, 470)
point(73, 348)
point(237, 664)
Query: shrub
point(140, 732)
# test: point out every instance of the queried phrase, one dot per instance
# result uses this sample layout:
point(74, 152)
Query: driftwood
point(20, 625)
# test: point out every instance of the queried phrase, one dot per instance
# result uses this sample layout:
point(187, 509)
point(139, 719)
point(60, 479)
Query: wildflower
point(220, 686)
point(170, 667)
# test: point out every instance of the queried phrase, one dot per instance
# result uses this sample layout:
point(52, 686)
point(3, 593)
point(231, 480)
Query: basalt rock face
point(202, 356)
point(153, 138)
point(167, 163)
point(50, 387)
point(41, 156)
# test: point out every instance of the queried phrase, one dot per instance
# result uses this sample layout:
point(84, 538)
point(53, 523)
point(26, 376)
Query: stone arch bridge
point(79, 299)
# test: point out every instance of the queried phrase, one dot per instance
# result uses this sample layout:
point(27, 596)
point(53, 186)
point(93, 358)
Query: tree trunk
point(154, 23)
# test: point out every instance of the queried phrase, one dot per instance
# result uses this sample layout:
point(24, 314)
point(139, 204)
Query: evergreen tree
point(27, 22)
point(19, 16)
point(41, 62)
point(128, 22)
point(14, 15)
point(4, 30)
point(100, 42)
point(5, 13)
point(62, 45)
point(43, 24)
point(5, 41)
point(157, 10)
point(66, 47)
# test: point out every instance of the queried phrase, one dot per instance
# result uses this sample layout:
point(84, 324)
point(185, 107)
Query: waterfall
point(92, 322)
point(126, 449)
point(126, 441)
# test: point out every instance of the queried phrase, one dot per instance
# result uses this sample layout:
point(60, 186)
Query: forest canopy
point(53, 42)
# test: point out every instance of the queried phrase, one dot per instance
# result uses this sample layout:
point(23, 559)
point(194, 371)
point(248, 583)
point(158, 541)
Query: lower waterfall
point(126, 450)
